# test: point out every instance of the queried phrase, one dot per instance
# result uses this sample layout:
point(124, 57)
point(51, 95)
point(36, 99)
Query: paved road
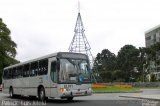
point(150, 94)
point(110, 99)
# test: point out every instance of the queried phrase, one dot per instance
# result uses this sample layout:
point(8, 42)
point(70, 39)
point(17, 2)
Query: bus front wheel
point(11, 92)
point(70, 98)
point(41, 94)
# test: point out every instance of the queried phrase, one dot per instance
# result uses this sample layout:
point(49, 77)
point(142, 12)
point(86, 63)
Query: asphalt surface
point(109, 99)
point(150, 94)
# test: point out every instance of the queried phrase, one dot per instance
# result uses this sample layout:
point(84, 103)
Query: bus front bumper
point(75, 93)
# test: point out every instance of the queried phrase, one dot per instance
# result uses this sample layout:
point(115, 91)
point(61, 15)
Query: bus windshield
point(74, 71)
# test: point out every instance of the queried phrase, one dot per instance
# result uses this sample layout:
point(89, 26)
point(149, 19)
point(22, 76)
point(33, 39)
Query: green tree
point(7, 48)
point(142, 64)
point(153, 60)
point(118, 75)
point(127, 61)
point(153, 78)
point(154, 52)
point(105, 64)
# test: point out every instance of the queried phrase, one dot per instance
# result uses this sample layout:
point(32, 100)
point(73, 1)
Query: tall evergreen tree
point(7, 48)
point(106, 64)
point(127, 61)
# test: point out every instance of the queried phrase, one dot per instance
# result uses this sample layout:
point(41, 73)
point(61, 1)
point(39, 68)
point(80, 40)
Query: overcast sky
point(41, 27)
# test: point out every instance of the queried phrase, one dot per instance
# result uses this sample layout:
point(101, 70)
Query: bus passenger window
point(53, 72)
point(34, 69)
point(19, 71)
point(43, 67)
point(5, 74)
point(14, 73)
point(26, 70)
point(10, 74)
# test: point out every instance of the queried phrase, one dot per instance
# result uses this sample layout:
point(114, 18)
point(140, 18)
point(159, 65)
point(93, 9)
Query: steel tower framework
point(80, 44)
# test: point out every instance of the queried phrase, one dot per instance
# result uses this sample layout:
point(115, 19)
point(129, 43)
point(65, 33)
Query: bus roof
point(40, 58)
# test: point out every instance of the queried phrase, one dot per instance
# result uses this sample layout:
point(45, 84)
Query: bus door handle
point(41, 80)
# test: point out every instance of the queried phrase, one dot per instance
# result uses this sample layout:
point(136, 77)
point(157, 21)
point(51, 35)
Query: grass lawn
point(115, 89)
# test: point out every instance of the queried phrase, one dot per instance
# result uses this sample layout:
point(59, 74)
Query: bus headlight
point(62, 90)
point(90, 89)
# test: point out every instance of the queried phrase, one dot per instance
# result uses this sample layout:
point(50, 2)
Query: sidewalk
point(150, 97)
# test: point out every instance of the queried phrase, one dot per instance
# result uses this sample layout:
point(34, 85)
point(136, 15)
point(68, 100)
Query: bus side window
point(53, 71)
point(19, 71)
point(43, 67)
point(14, 73)
point(34, 69)
point(40, 69)
point(10, 74)
point(26, 70)
point(5, 74)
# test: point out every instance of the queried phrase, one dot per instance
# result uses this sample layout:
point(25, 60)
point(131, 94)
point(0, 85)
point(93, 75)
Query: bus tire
point(41, 94)
point(69, 98)
point(11, 94)
point(32, 97)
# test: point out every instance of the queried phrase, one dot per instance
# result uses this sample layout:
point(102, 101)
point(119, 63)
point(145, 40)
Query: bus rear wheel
point(41, 94)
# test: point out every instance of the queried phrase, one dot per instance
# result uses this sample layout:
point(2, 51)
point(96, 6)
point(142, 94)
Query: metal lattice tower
point(80, 44)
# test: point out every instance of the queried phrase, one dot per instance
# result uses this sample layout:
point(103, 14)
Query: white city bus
point(59, 75)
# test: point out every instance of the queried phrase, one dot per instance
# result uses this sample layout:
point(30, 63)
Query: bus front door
point(53, 76)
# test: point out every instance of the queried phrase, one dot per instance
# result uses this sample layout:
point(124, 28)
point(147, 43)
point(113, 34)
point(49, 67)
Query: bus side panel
point(46, 83)
point(35, 82)
point(17, 86)
point(29, 86)
point(5, 86)
point(23, 86)
point(44, 80)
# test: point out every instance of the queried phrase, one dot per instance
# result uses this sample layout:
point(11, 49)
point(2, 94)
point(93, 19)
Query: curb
point(143, 97)
point(122, 92)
